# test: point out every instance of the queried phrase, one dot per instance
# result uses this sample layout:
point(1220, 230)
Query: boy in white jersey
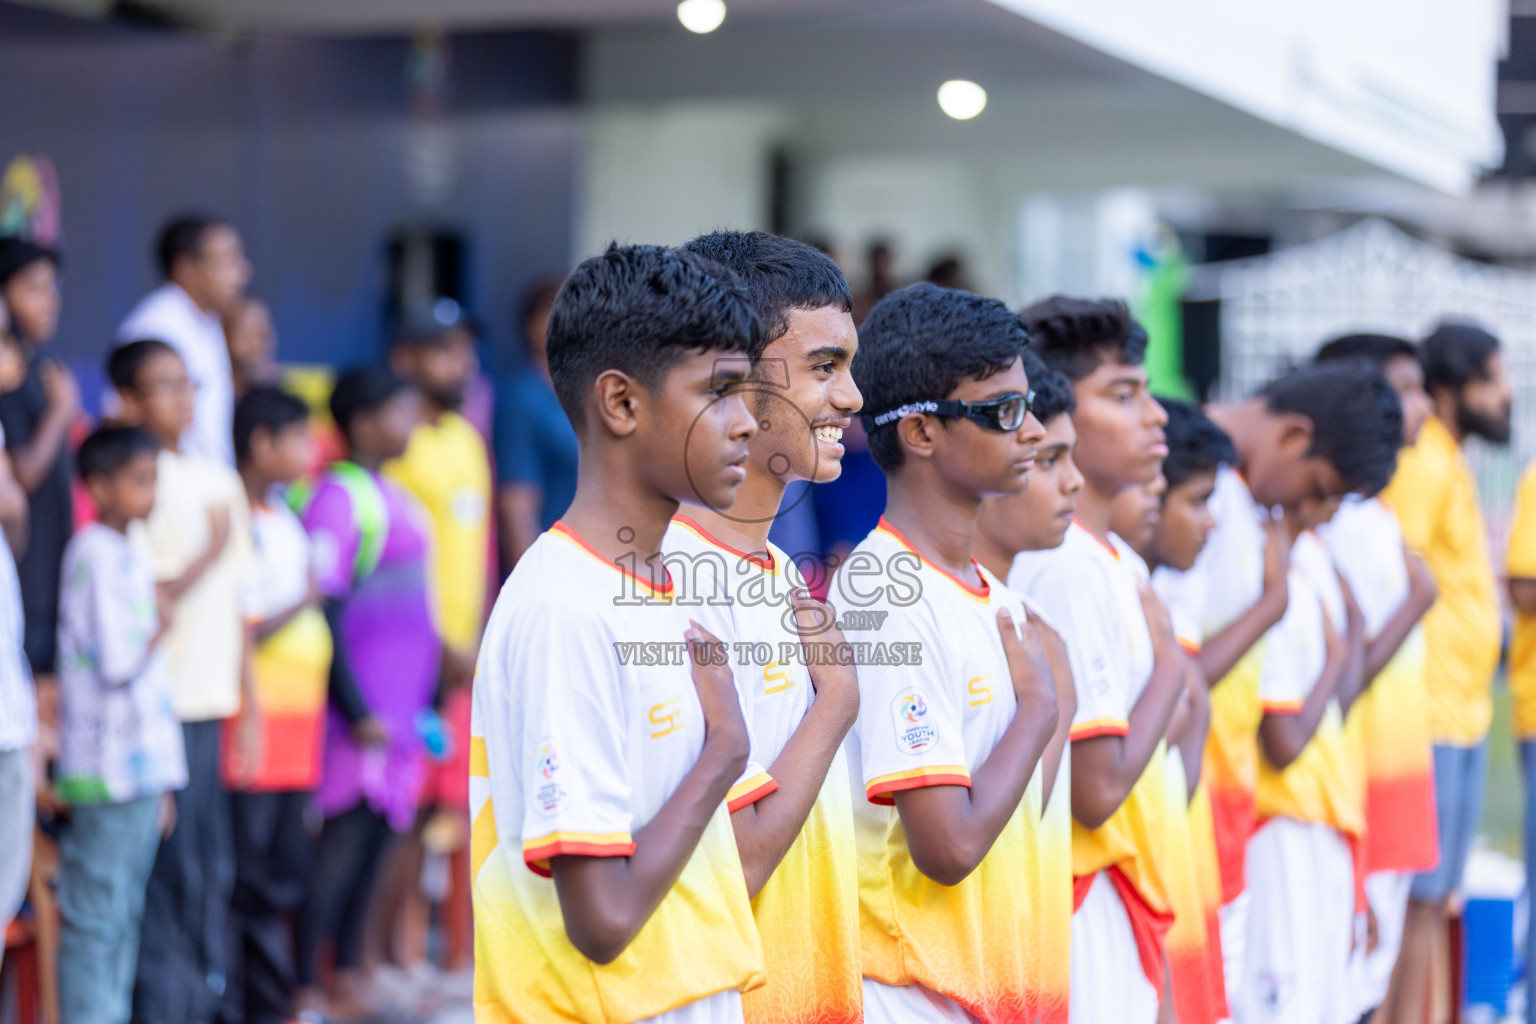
point(1036, 519)
point(1309, 803)
point(607, 887)
point(1197, 450)
point(1390, 723)
point(957, 699)
point(1319, 432)
point(791, 809)
point(1126, 665)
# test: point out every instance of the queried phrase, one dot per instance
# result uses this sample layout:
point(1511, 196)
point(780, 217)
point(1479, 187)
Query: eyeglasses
point(1005, 414)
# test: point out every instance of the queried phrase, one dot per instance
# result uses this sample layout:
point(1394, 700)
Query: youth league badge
point(914, 732)
point(550, 794)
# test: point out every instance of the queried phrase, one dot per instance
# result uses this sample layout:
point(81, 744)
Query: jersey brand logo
point(777, 678)
point(667, 719)
point(913, 734)
point(980, 692)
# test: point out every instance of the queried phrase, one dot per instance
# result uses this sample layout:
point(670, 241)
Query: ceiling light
point(701, 15)
point(961, 99)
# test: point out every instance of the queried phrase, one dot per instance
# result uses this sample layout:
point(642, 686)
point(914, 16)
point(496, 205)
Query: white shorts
point(720, 1008)
point(1108, 984)
point(910, 1004)
point(1370, 973)
point(1301, 883)
point(1233, 918)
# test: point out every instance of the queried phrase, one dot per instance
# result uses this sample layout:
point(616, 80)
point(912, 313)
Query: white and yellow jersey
point(936, 696)
point(585, 721)
point(1323, 783)
point(1091, 589)
point(808, 910)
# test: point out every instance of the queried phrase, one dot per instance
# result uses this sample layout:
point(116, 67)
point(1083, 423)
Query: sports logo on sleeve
point(546, 766)
point(913, 732)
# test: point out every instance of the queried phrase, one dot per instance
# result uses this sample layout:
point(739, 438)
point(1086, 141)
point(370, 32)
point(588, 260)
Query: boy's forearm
point(950, 829)
point(342, 684)
point(174, 588)
point(1112, 765)
point(605, 901)
point(1393, 635)
point(767, 828)
point(1220, 654)
point(1284, 736)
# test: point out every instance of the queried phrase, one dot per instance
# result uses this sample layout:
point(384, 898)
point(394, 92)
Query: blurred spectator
point(535, 444)
point(121, 746)
point(879, 282)
point(447, 469)
point(948, 271)
point(18, 708)
point(200, 536)
point(36, 418)
point(205, 272)
point(271, 806)
point(252, 344)
point(371, 546)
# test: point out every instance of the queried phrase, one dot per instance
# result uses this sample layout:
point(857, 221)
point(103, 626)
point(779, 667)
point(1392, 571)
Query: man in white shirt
point(205, 271)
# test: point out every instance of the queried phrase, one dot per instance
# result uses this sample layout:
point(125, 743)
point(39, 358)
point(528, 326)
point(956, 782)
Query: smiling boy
point(791, 809)
point(945, 749)
point(607, 886)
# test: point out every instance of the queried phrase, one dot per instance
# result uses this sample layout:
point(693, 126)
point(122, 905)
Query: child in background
point(1317, 431)
point(1197, 449)
point(121, 743)
point(1391, 722)
point(1310, 800)
point(199, 532)
point(291, 644)
point(371, 544)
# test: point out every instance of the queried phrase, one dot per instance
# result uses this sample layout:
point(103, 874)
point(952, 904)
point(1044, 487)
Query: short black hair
point(1357, 419)
point(109, 449)
point(125, 361)
point(1376, 349)
point(183, 236)
point(1195, 444)
point(642, 309)
point(1053, 392)
point(17, 254)
point(780, 274)
point(1455, 353)
point(270, 409)
point(1073, 336)
point(363, 389)
point(920, 343)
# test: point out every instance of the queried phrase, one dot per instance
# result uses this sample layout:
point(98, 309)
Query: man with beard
point(1435, 498)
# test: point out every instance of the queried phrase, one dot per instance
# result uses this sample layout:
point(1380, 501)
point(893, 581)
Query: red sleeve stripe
point(1281, 707)
point(536, 852)
point(1099, 727)
point(879, 791)
point(750, 791)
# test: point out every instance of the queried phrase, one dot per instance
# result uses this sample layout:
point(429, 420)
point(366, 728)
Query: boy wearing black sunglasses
point(946, 745)
point(1127, 668)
